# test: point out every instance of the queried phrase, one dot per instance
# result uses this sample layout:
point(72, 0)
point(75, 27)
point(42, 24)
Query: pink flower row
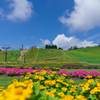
point(79, 73)
point(17, 71)
point(14, 71)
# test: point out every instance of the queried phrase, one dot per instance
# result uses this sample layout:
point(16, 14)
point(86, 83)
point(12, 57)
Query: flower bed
point(50, 85)
point(77, 74)
point(80, 67)
point(30, 67)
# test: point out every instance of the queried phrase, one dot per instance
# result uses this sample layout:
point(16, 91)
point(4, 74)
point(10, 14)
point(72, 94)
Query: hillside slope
point(89, 54)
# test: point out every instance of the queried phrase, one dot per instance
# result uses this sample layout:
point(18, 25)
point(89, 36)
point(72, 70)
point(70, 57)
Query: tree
point(75, 47)
point(60, 48)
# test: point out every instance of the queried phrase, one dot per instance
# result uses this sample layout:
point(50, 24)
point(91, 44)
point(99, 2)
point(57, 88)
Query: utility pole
point(22, 46)
point(24, 57)
point(5, 52)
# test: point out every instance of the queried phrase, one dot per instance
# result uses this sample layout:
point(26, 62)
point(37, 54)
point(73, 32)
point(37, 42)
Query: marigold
point(61, 94)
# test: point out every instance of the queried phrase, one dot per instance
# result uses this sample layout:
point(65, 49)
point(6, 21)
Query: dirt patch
point(12, 58)
point(22, 54)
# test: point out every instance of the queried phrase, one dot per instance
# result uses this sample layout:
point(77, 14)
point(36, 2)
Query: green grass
point(89, 53)
point(5, 81)
point(60, 57)
point(48, 55)
point(10, 57)
point(31, 54)
point(14, 56)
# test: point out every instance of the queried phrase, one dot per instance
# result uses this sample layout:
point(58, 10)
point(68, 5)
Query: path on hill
point(36, 55)
point(65, 54)
point(22, 54)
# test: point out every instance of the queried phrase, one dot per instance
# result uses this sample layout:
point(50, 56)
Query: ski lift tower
point(6, 47)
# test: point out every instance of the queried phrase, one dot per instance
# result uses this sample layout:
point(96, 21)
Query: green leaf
point(93, 83)
point(51, 98)
point(95, 98)
point(36, 88)
point(43, 93)
point(85, 79)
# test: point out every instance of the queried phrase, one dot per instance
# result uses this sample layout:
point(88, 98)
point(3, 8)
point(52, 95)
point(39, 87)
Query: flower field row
point(44, 85)
point(52, 67)
point(30, 67)
point(78, 74)
point(80, 67)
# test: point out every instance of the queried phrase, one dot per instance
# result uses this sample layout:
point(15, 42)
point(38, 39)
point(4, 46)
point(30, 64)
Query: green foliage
point(50, 46)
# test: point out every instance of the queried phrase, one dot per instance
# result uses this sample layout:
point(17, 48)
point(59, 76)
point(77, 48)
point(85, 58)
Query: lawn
point(5, 81)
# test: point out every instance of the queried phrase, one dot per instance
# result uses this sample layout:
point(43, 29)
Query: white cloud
point(94, 36)
point(20, 10)
point(1, 12)
point(43, 43)
point(86, 16)
point(26, 47)
point(67, 42)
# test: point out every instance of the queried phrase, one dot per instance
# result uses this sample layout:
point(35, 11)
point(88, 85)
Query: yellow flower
point(22, 76)
point(37, 72)
point(61, 94)
point(90, 80)
point(97, 89)
point(81, 84)
point(98, 84)
point(38, 82)
point(64, 75)
point(34, 71)
point(26, 82)
point(46, 81)
point(49, 93)
point(73, 86)
point(72, 81)
point(68, 97)
point(59, 80)
point(89, 76)
point(28, 73)
point(81, 97)
point(36, 77)
point(41, 78)
point(57, 85)
point(64, 88)
point(85, 88)
point(51, 75)
point(43, 72)
point(26, 77)
point(66, 84)
point(1, 87)
point(53, 91)
point(42, 87)
point(53, 82)
point(92, 91)
point(19, 94)
point(72, 90)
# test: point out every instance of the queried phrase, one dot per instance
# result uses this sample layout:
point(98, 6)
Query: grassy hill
point(89, 54)
point(35, 55)
point(11, 56)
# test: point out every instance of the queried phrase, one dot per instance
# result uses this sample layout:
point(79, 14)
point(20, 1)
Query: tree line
point(52, 47)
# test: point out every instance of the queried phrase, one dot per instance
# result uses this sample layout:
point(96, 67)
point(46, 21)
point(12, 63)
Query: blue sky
point(64, 23)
